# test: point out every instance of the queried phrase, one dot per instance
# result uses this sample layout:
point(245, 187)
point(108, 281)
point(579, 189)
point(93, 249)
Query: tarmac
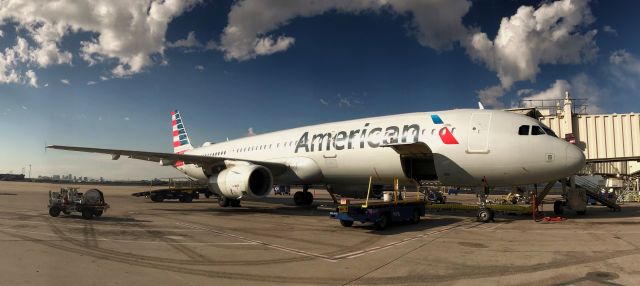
point(274, 242)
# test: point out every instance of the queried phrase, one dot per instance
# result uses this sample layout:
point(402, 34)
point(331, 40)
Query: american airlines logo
point(445, 134)
point(358, 138)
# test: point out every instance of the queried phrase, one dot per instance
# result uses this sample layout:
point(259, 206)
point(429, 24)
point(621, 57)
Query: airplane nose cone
point(575, 158)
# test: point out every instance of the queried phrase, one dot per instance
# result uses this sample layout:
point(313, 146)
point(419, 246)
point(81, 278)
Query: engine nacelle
point(242, 181)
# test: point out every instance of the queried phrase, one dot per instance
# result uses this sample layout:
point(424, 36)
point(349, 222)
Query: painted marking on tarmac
point(270, 245)
point(129, 241)
point(400, 242)
point(337, 257)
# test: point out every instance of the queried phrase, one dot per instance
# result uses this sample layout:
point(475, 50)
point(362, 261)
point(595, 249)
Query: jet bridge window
point(523, 130)
point(537, 130)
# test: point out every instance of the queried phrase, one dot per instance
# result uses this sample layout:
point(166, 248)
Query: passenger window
point(523, 130)
point(537, 130)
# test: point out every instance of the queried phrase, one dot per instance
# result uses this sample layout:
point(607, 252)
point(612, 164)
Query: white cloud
point(555, 91)
point(610, 30)
point(129, 32)
point(324, 102)
point(65, 81)
point(581, 86)
point(127, 118)
point(1, 33)
point(189, 42)
point(550, 34)
point(32, 78)
point(490, 96)
point(435, 23)
point(199, 67)
point(250, 132)
point(24, 108)
point(523, 92)
point(46, 84)
point(103, 78)
point(91, 82)
point(624, 67)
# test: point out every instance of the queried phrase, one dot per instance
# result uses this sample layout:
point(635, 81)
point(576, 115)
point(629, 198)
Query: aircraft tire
point(298, 198)
point(98, 213)
point(234, 203)
point(308, 198)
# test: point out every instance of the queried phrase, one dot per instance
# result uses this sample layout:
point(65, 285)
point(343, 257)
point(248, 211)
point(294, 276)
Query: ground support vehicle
point(69, 200)
point(185, 195)
point(380, 213)
point(181, 189)
point(484, 214)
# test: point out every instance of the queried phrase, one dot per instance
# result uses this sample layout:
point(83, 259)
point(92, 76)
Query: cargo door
point(478, 140)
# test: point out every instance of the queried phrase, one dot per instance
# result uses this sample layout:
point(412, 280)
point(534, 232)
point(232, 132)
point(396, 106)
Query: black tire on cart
point(54, 211)
point(66, 212)
point(186, 198)
point(557, 207)
point(346, 223)
point(87, 214)
point(234, 203)
point(383, 222)
point(98, 213)
point(223, 202)
point(415, 219)
point(156, 198)
point(485, 215)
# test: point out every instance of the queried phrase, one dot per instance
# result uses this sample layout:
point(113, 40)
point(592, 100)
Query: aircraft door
point(478, 140)
point(330, 156)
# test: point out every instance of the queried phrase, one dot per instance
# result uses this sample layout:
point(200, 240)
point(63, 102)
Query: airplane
point(461, 147)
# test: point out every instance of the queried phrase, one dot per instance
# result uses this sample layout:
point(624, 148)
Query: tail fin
point(181, 140)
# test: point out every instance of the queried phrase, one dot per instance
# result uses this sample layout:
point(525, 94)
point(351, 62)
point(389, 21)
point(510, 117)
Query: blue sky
point(72, 75)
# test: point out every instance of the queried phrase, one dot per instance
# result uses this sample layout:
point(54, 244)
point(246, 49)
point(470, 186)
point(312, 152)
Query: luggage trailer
point(381, 214)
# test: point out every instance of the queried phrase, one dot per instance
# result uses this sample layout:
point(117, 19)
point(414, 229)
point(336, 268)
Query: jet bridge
point(610, 142)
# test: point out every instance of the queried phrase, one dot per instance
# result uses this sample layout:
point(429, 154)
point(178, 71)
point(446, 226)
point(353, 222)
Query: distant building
point(11, 177)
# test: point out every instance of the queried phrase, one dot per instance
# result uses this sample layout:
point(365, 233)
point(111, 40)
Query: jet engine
point(242, 181)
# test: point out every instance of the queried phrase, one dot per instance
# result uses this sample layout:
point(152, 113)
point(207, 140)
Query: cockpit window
point(523, 130)
point(537, 130)
point(549, 131)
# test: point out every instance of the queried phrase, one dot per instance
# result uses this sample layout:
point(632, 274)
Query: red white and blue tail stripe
point(181, 142)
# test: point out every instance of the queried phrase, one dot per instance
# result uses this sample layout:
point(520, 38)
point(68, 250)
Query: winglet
point(181, 140)
point(480, 106)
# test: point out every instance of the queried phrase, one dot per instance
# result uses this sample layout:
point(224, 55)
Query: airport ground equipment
point(69, 200)
point(381, 213)
point(576, 199)
point(183, 190)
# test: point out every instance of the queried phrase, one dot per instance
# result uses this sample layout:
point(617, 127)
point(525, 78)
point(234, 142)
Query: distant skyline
point(108, 73)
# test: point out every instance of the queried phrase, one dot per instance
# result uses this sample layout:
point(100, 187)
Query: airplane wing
point(170, 158)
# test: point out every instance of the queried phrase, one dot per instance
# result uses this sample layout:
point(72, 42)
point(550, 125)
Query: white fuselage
point(489, 150)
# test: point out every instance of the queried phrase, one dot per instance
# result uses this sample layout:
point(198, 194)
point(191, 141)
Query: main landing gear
point(225, 202)
point(303, 198)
